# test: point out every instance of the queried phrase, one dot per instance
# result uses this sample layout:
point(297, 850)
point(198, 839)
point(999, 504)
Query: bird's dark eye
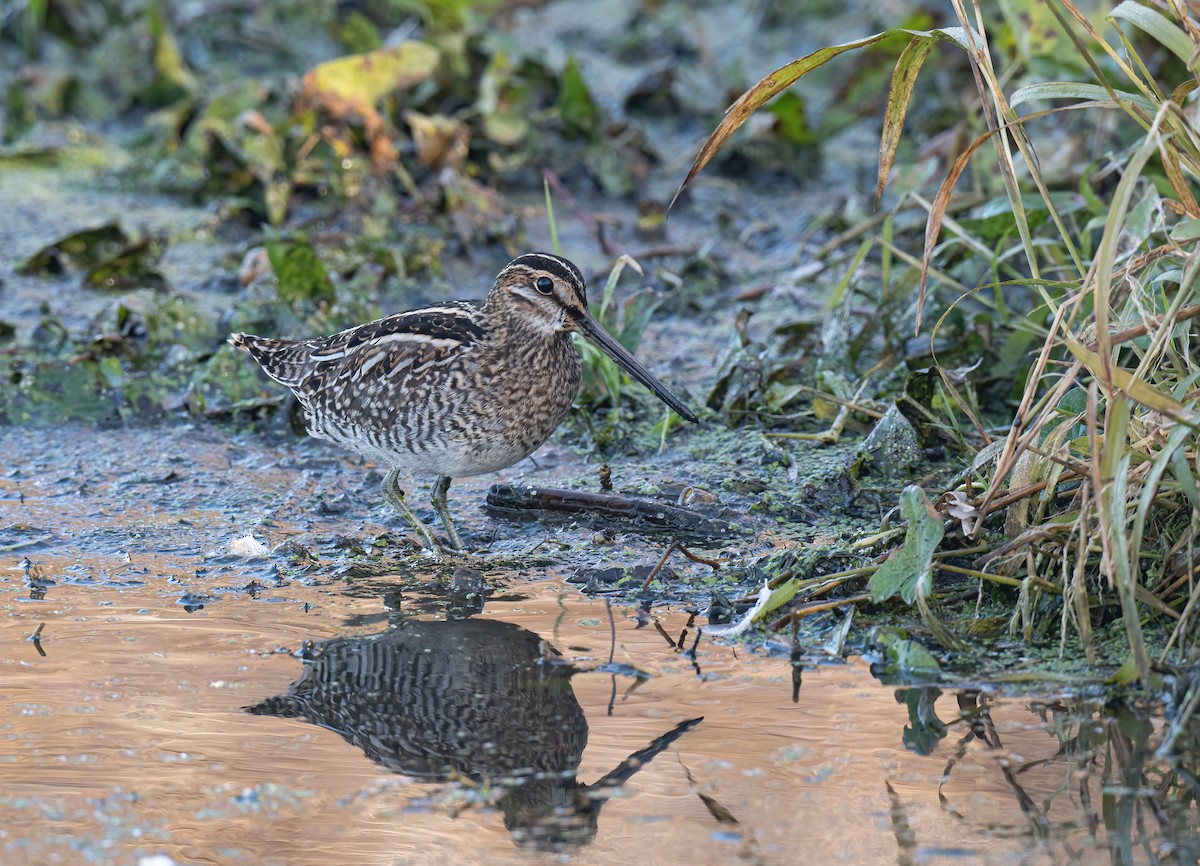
point(545, 285)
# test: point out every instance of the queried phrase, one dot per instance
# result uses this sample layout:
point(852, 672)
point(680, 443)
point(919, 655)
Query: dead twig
point(816, 607)
point(582, 215)
point(661, 562)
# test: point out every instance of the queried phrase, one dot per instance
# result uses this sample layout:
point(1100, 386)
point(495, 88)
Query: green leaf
point(78, 250)
point(506, 95)
point(1032, 30)
point(1185, 478)
point(778, 395)
point(791, 121)
point(358, 34)
point(910, 569)
point(1186, 231)
point(901, 657)
point(911, 657)
point(110, 370)
point(1125, 674)
point(578, 110)
point(18, 113)
point(924, 729)
point(780, 596)
point(173, 80)
point(134, 266)
point(300, 272)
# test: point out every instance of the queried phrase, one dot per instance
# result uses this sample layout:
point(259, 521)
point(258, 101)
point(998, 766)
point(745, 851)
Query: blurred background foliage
point(362, 144)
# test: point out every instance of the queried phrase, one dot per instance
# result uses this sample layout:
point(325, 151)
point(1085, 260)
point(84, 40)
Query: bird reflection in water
point(475, 698)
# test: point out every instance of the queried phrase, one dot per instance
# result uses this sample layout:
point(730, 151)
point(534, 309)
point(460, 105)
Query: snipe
point(455, 389)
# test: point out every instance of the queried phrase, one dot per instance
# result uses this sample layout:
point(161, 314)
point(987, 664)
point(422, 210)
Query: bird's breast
point(527, 389)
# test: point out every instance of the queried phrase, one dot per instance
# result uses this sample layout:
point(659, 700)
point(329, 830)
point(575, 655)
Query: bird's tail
point(285, 361)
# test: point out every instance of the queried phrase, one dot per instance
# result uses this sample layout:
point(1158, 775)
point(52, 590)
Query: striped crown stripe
point(561, 268)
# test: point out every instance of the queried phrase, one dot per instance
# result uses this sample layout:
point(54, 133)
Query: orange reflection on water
point(130, 738)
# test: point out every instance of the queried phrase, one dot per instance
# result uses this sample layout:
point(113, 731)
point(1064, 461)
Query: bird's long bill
point(596, 334)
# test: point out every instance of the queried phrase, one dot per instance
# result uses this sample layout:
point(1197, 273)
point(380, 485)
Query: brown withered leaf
point(442, 142)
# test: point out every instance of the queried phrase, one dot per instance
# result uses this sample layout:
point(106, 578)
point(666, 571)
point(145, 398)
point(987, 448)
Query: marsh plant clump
point(1072, 283)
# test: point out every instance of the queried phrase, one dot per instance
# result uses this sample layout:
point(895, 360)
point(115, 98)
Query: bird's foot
point(394, 495)
point(443, 511)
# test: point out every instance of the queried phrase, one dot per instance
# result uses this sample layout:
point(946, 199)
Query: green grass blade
point(550, 216)
point(1159, 27)
point(1150, 485)
point(787, 75)
point(610, 284)
point(1082, 91)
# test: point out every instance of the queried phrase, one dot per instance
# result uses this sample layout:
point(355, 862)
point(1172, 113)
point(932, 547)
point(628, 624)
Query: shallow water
point(131, 737)
point(402, 719)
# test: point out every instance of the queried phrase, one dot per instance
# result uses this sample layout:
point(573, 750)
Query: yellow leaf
point(367, 78)
point(349, 87)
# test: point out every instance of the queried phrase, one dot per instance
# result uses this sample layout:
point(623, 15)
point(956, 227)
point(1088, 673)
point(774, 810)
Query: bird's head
point(549, 294)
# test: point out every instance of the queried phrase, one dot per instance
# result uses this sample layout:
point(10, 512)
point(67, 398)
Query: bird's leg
point(443, 510)
point(394, 495)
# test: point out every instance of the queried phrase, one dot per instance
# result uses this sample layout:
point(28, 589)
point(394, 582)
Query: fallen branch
point(643, 513)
